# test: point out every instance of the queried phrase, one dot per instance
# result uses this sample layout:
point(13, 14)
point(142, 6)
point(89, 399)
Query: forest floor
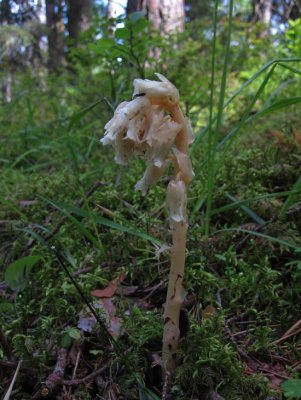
point(73, 236)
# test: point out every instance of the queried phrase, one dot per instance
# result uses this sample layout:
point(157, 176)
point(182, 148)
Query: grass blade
point(97, 219)
point(275, 107)
point(282, 242)
point(281, 61)
point(213, 139)
point(292, 198)
point(86, 232)
point(248, 211)
point(238, 203)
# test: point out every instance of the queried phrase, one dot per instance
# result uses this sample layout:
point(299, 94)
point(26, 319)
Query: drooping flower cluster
point(141, 127)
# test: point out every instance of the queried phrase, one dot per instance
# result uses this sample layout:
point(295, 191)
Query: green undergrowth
point(249, 266)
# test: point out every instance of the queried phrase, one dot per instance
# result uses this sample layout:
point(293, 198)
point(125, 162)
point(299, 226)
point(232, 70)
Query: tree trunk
point(6, 88)
point(55, 25)
point(166, 15)
point(78, 17)
point(262, 11)
point(6, 83)
point(5, 12)
point(134, 5)
point(172, 15)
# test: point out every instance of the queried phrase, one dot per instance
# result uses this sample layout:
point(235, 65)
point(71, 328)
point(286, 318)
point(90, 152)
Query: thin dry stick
point(292, 328)
point(55, 379)
point(87, 378)
point(75, 368)
point(11, 386)
point(283, 338)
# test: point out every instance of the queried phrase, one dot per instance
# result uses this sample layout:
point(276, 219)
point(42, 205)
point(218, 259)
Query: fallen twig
point(55, 379)
point(293, 330)
point(14, 364)
point(166, 395)
point(240, 351)
point(87, 378)
point(11, 386)
point(283, 338)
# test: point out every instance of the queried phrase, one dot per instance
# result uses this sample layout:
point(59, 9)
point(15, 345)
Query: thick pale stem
point(175, 297)
point(175, 291)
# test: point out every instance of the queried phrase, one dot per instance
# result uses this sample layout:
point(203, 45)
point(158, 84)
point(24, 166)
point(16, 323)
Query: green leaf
point(74, 333)
point(140, 25)
point(66, 341)
point(136, 16)
point(75, 118)
point(105, 43)
point(295, 70)
point(122, 33)
point(292, 388)
point(276, 106)
point(17, 273)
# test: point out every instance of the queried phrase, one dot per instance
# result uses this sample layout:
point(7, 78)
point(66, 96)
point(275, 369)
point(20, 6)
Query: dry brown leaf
point(110, 290)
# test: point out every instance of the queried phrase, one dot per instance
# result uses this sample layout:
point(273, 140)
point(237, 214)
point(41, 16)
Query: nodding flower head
point(157, 91)
point(141, 127)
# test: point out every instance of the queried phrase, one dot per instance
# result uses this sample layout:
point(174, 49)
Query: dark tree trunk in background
point(293, 10)
point(134, 5)
point(165, 15)
point(5, 12)
point(79, 14)
point(262, 11)
point(6, 83)
point(55, 25)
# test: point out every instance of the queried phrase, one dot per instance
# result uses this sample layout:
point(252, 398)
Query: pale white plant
point(153, 126)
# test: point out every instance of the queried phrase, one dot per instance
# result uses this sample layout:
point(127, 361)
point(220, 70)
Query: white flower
point(184, 164)
point(150, 177)
point(140, 127)
point(176, 200)
point(161, 140)
point(127, 128)
point(163, 90)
